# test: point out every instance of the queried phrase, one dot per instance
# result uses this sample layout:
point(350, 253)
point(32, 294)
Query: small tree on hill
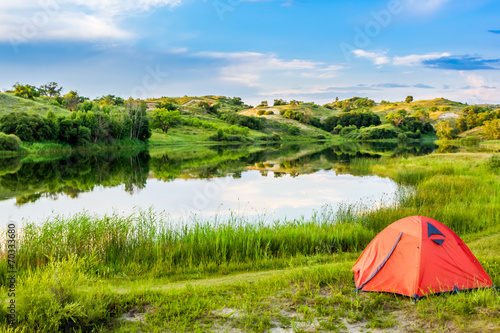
point(50, 89)
point(165, 119)
point(409, 99)
point(445, 130)
point(397, 117)
point(25, 91)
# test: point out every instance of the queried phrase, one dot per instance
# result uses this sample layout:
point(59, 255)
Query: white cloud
point(24, 20)
point(378, 58)
point(481, 89)
point(248, 67)
point(416, 59)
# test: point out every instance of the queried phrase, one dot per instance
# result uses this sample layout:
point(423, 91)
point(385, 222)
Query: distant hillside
point(41, 105)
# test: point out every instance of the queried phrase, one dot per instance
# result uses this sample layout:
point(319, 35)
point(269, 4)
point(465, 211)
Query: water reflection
point(39, 185)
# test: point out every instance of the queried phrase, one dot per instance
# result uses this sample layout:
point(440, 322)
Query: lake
point(261, 183)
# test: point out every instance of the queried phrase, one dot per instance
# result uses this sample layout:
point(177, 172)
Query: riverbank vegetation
point(146, 272)
point(57, 121)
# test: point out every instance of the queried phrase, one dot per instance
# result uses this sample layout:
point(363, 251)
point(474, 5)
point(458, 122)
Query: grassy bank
point(86, 272)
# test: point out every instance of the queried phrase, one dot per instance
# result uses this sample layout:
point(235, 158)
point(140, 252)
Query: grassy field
point(42, 106)
point(141, 273)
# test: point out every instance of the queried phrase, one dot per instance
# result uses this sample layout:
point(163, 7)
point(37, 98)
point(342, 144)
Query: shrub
point(50, 299)
point(348, 129)
point(269, 113)
point(337, 129)
point(294, 130)
point(433, 108)
point(470, 141)
point(445, 109)
point(276, 137)
point(376, 133)
point(9, 142)
point(494, 161)
point(402, 137)
point(356, 118)
point(261, 112)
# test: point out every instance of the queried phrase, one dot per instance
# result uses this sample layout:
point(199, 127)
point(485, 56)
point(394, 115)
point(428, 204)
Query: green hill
point(41, 105)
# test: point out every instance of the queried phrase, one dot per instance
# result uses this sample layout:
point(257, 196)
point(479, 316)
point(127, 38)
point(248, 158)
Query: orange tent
point(417, 256)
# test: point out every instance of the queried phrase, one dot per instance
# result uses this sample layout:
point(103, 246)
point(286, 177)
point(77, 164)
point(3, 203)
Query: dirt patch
point(227, 313)
point(448, 116)
point(136, 314)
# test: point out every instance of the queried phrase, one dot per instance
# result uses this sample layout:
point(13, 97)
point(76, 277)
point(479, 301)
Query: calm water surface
point(264, 183)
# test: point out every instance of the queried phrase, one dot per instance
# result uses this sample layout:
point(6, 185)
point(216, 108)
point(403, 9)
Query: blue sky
point(255, 49)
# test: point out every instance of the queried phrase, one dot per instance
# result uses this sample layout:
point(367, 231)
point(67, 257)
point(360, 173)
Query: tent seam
point(417, 287)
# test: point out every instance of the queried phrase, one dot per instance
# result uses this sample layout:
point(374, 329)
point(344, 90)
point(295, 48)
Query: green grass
point(9, 103)
point(86, 272)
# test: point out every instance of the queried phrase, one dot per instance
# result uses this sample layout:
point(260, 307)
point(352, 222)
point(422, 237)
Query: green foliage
point(433, 108)
point(355, 103)
point(494, 162)
point(337, 129)
point(402, 137)
point(263, 104)
point(294, 130)
point(166, 105)
point(50, 89)
point(254, 123)
point(9, 142)
point(409, 99)
point(109, 100)
point(492, 129)
point(50, 301)
point(353, 118)
point(476, 116)
point(269, 113)
point(26, 91)
point(28, 127)
point(136, 121)
point(261, 112)
point(377, 133)
point(445, 130)
point(445, 109)
point(348, 129)
point(414, 125)
point(165, 119)
point(89, 124)
point(421, 115)
point(280, 101)
point(71, 100)
point(209, 108)
point(237, 101)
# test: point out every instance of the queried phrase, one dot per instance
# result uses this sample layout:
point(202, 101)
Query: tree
point(165, 119)
point(397, 117)
point(166, 105)
point(71, 100)
point(137, 122)
point(445, 130)
point(237, 101)
point(421, 115)
point(409, 99)
point(50, 89)
point(263, 104)
point(209, 108)
point(107, 100)
point(492, 129)
point(25, 91)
